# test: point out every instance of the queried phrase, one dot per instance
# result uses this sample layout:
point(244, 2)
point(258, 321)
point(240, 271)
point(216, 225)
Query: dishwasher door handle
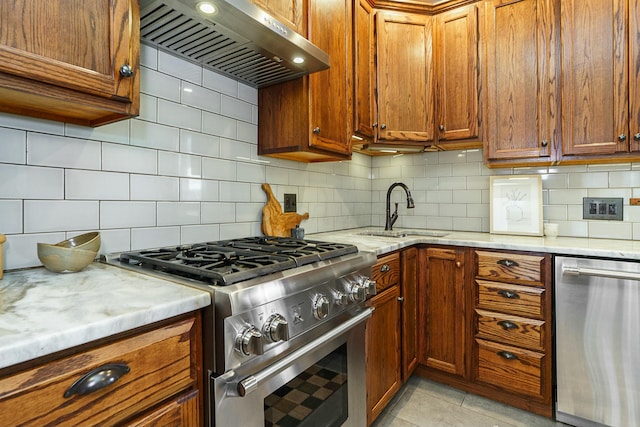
point(572, 270)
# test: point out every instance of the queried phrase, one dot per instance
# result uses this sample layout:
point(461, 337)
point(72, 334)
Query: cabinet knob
point(458, 264)
point(544, 143)
point(441, 127)
point(383, 126)
point(384, 268)
point(97, 379)
point(636, 137)
point(622, 137)
point(126, 71)
point(400, 299)
point(375, 125)
point(316, 130)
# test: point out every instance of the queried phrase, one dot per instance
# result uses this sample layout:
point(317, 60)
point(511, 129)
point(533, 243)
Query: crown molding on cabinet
point(419, 6)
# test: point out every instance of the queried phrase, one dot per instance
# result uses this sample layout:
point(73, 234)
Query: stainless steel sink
point(403, 233)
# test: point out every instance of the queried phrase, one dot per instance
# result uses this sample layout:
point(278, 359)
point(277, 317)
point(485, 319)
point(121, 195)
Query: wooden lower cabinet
point(484, 324)
point(156, 381)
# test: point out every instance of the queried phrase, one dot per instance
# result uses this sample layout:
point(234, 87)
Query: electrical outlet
point(290, 204)
point(609, 208)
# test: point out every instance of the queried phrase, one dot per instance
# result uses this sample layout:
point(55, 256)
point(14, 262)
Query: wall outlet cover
point(290, 204)
point(602, 208)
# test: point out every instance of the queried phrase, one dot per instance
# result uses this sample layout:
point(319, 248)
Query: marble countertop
point(43, 312)
point(603, 248)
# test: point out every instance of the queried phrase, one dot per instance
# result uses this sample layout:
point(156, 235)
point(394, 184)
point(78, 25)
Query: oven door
point(322, 383)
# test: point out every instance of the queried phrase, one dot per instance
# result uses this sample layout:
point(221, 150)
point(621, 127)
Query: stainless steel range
point(284, 340)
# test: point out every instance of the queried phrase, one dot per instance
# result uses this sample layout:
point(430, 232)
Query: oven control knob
point(370, 286)
point(276, 328)
point(320, 307)
point(340, 298)
point(249, 341)
point(357, 293)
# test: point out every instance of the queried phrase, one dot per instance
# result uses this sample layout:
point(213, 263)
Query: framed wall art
point(516, 205)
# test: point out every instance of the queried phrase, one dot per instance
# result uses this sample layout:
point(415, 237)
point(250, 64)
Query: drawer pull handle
point(97, 379)
point(508, 294)
point(506, 325)
point(508, 263)
point(507, 355)
point(385, 268)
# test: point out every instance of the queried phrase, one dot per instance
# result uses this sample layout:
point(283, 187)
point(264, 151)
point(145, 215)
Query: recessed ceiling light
point(298, 60)
point(206, 7)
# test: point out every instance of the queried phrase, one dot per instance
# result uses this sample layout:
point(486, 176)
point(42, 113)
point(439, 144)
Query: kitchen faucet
point(391, 218)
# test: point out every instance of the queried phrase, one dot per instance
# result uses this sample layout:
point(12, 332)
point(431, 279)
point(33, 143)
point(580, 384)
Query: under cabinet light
point(207, 8)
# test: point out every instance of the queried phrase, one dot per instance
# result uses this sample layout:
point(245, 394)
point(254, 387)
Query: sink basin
point(403, 233)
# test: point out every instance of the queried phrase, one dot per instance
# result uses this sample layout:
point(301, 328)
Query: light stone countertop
point(602, 248)
point(43, 312)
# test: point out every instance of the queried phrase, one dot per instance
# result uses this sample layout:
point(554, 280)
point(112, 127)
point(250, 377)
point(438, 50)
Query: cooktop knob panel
point(320, 306)
point(249, 341)
point(276, 328)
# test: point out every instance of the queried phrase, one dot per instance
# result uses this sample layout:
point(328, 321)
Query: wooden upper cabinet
point(404, 73)
point(290, 12)
point(599, 66)
point(364, 106)
point(309, 119)
point(520, 59)
point(62, 60)
point(456, 59)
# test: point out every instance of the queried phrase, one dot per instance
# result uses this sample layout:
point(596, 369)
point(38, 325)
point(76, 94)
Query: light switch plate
point(606, 208)
point(290, 204)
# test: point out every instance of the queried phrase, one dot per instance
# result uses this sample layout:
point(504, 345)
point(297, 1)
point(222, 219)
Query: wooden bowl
point(60, 259)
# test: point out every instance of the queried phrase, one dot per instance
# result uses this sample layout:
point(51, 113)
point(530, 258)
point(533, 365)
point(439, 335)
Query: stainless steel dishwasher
point(597, 342)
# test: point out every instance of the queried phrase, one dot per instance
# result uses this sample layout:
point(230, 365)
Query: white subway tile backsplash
point(217, 213)
point(218, 169)
point(152, 135)
point(159, 85)
point(624, 179)
point(198, 190)
point(248, 93)
point(178, 115)
point(176, 164)
point(235, 191)
point(610, 230)
point(248, 212)
point(235, 108)
point(62, 152)
point(31, 182)
point(199, 233)
point(199, 143)
point(234, 150)
point(250, 172)
point(147, 187)
point(60, 215)
point(125, 158)
point(467, 196)
point(588, 180)
point(178, 213)
point(14, 146)
point(113, 132)
point(567, 197)
point(115, 241)
point(215, 124)
point(452, 183)
point(144, 238)
point(180, 68)
point(11, 217)
point(21, 250)
point(127, 214)
point(219, 83)
point(95, 185)
point(148, 109)
point(29, 123)
point(200, 97)
point(148, 56)
point(247, 132)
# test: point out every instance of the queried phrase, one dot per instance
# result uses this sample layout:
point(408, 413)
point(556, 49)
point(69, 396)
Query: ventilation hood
point(240, 40)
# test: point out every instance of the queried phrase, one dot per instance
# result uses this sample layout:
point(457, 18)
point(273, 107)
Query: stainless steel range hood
point(240, 40)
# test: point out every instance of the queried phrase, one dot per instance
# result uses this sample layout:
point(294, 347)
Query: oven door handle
point(251, 383)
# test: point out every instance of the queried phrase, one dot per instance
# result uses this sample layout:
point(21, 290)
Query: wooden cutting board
point(2, 240)
point(275, 222)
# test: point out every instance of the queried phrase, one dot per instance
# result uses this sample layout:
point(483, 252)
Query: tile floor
point(423, 403)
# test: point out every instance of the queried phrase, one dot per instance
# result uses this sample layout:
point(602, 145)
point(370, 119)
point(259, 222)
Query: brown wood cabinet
point(600, 76)
point(513, 348)
point(456, 75)
point(522, 112)
point(442, 306)
point(383, 337)
point(405, 78)
point(409, 298)
point(63, 60)
point(364, 105)
point(309, 119)
point(290, 12)
point(160, 381)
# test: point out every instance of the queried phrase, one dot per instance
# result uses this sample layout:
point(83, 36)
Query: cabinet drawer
point(514, 330)
point(510, 368)
point(160, 365)
point(386, 272)
point(513, 299)
point(511, 267)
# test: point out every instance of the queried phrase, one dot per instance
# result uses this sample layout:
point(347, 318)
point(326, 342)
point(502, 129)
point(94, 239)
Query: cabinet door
point(457, 74)
point(330, 109)
point(383, 351)
point(289, 12)
point(76, 44)
point(521, 116)
point(405, 91)
point(184, 410)
point(364, 68)
point(634, 77)
point(409, 291)
point(595, 77)
point(442, 304)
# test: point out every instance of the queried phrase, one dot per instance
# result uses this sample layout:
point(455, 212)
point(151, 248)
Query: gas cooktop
point(226, 262)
